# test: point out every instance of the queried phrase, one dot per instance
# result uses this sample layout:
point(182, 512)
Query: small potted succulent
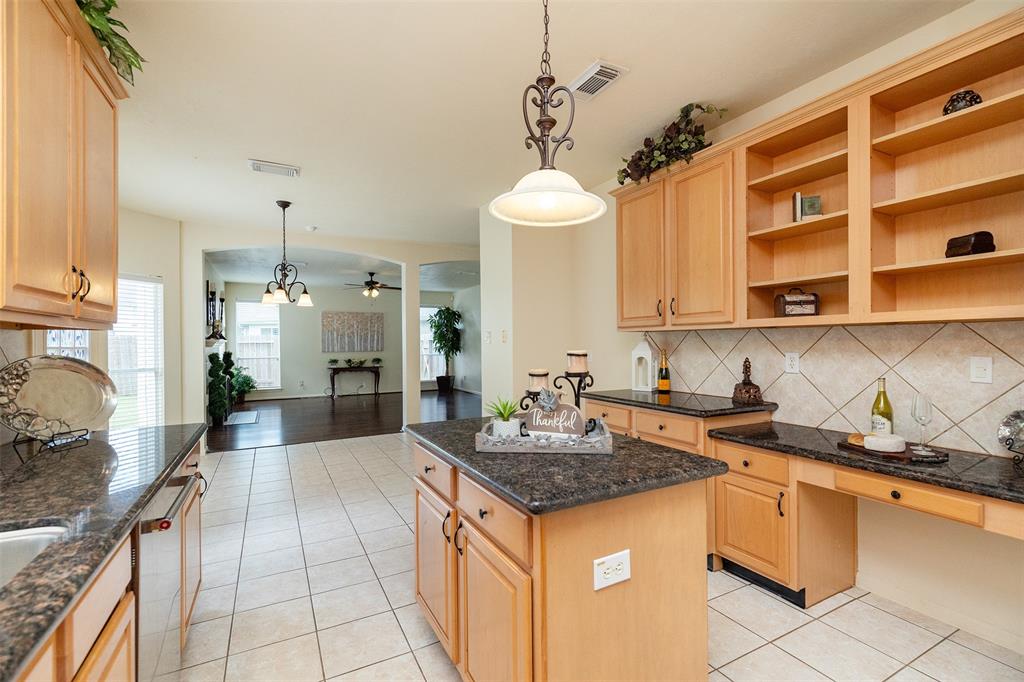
point(505, 424)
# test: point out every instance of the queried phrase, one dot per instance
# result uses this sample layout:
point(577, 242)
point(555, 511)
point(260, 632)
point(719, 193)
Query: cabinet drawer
point(44, 667)
point(911, 495)
point(434, 470)
point(617, 418)
point(763, 465)
point(507, 525)
point(673, 428)
point(91, 613)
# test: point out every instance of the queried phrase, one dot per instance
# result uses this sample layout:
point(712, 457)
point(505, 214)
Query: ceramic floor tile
point(237, 502)
point(359, 509)
point(270, 624)
point(894, 636)
point(212, 671)
point(206, 642)
point(269, 563)
point(328, 501)
point(855, 592)
point(720, 582)
point(436, 665)
point(270, 496)
point(908, 674)
point(268, 542)
point(400, 588)
point(836, 654)
point(952, 662)
point(293, 660)
point(398, 669)
point(230, 532)
point(919, 619)
point(392, 561)
point(983, 646)
point(271, 509)
point(327, 530)
point(389, 538)
point(270, 524)
point(220, 573)
point(416, 628)
point(331, 576)
point(332, 550)
point(728, 640)
point(715, 676)
point(826, 605)
point(220, 518)
point(770, 664)
point(214, 602)
point(221, 551)
point(267, 486)
point(350, 603)
point(271, 589)
point(361, 643)
point(759, 613)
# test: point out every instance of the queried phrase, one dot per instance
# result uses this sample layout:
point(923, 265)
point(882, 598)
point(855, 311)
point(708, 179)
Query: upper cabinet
point(59, 229)
point(887, 178)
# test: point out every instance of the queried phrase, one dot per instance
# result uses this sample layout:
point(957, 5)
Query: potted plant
point(447, 340)
point(242, 383)
point(216, 390)
point(377, 362)
point(333, 362)
point(505, 424)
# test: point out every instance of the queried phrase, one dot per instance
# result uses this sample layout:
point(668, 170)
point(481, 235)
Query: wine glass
point(921, 411)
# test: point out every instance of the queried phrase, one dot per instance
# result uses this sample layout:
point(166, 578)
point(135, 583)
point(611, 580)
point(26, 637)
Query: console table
point(372, 369)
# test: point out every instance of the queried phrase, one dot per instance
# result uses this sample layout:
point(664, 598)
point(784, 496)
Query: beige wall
point(467, 363)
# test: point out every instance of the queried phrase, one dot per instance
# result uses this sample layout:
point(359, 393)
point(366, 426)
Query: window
point(258, 342)
point(71, 342)
point(431, 362)
point(135, 351)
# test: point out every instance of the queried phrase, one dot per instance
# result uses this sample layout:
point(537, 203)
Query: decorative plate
point(1011, 430)
point(45, 395)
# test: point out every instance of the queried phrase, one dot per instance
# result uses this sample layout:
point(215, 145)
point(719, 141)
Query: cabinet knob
point(482, 513)
point(746, 463)
point(604, 415)
point(428, 468)
point(661, 427)
point(895, 494)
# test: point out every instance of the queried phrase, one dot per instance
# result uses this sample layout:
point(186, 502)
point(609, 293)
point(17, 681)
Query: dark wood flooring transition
point(305, 420)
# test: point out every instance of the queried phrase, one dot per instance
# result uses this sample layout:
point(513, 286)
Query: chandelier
point(286, 275)
point(547, 197)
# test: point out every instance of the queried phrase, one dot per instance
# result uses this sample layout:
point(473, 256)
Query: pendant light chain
point(284, 236)
point(545, 56)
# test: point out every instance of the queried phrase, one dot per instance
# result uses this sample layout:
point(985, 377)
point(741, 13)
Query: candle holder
point(528, 400)
point(578, 382)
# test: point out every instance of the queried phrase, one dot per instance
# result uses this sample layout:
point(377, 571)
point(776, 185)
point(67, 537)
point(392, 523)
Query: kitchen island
point(511, 550)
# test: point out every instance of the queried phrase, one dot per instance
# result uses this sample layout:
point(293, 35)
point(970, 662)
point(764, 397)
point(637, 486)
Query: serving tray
point(908, 456)
point(597, 442)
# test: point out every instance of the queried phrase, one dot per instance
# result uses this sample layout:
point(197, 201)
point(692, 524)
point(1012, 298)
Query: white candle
point(539, 380)
point(578, 361)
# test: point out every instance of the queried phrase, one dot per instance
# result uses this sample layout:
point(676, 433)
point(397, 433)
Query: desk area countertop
point(689, 404)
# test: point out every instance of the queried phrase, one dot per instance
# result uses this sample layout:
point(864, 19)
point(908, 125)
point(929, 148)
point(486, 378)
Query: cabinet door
point(38, 62)
point(96, 236)
point(640, 253)
point(752, 525)
point(112, 657)
point(495, 621)
point(191, 558)
point(699, 236)
point(435, 565)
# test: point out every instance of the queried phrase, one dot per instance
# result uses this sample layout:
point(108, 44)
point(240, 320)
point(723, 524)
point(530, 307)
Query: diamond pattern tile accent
point(840, 366)
point(901, 395)
point(893, 342)
point(766, 362)
point(799, 402)
point(722, 341)
point(795, 339)
point(1007, 336)
point(981, 426)
point(693, 361)
point(720, 382)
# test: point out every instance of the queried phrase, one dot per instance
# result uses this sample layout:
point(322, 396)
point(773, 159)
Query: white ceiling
point(406, 116)
point(450, 276)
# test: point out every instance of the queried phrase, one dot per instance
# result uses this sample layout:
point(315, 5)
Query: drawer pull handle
point(895, 494)
point(659, 307)
point(444, 523)
point(672, 306)
point(482, 513)
point(456, 537)
point(779, 503)
point(428, 468)
point(746, 463)
point(661, 427)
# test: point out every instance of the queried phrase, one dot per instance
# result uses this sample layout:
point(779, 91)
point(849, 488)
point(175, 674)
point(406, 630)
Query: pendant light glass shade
point(374, 293)
point(548, 198)
point(305, 300)
point(280, 295)
point(268, 298)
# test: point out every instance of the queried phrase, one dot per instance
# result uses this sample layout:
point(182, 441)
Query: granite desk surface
point(97, 492)
point(969, 472)
point(690, 404)
point(546, 482)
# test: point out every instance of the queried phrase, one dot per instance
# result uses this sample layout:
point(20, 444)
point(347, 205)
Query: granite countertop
point(690, 404)
point(546, 482)
point(967, 471)
point(98, 492)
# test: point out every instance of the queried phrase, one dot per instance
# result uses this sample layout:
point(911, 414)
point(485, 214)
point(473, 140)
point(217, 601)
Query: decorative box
point(796, 303)
point(968, 244)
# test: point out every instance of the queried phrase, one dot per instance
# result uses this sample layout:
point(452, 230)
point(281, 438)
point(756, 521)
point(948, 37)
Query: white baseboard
point(293, 396)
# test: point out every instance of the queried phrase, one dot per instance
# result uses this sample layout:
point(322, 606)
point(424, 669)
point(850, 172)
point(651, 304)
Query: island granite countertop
point(545, 482)
point(690, 404)
point(97, 491)
point(969, 472)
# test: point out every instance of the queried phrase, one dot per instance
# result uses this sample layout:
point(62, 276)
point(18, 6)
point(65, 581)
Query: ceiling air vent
point(274, 168)
point(597, 78)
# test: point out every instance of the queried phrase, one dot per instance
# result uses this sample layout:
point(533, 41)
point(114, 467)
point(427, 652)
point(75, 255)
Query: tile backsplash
point(835, 386)
point(15, 345)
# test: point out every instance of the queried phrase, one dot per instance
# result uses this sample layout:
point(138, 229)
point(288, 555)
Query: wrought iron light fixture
point(547, 197)
point(286, 275)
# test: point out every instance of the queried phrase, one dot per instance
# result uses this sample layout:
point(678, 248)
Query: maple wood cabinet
point(191, 559)
point(112, 658)
point(751, 526)
point(435, 565)
point(59, 216)
point(640, 245)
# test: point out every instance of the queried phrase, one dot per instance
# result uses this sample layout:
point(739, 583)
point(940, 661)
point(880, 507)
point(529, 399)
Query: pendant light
point(547, 197)
point(286, 275)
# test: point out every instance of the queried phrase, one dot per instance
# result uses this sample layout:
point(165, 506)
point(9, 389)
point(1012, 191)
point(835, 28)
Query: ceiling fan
point(372, 287)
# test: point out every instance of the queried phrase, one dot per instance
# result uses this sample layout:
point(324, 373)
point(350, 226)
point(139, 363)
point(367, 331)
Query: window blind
point(258, 342)
point(136, 353)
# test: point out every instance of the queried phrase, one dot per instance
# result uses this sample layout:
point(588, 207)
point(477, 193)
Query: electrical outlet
point(487, 336)
point(611, 569)
point(504, 336)
point(981, 370)
point(792, 363)
point(302, 384)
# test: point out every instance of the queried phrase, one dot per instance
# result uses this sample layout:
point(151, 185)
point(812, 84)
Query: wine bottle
point(664, 381)
point(881, 411)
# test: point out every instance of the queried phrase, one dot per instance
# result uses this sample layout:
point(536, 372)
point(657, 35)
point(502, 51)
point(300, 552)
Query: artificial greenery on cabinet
point(680, 140)
point(122, 55)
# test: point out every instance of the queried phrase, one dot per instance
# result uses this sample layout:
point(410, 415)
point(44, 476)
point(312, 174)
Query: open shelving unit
point(811, 254)
point(935, 177)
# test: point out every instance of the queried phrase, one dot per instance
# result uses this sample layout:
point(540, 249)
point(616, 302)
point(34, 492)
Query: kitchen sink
point(19, 547)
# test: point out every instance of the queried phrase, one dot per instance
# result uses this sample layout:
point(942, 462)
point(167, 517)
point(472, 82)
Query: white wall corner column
point(411, 342)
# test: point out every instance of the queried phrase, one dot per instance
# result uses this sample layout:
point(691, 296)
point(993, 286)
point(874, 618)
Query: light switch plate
point(981, 370)
point(792, 363)
point(487, 336)
point(611, 569)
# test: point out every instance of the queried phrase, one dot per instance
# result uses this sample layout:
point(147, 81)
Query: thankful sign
point(563, 420)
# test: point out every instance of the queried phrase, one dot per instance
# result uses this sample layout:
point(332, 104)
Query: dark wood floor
point(304, 420)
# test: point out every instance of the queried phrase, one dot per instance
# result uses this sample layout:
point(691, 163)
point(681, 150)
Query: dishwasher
point(160, 577)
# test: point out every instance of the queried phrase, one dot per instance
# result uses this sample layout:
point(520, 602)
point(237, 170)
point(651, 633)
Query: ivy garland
point(681, 139)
